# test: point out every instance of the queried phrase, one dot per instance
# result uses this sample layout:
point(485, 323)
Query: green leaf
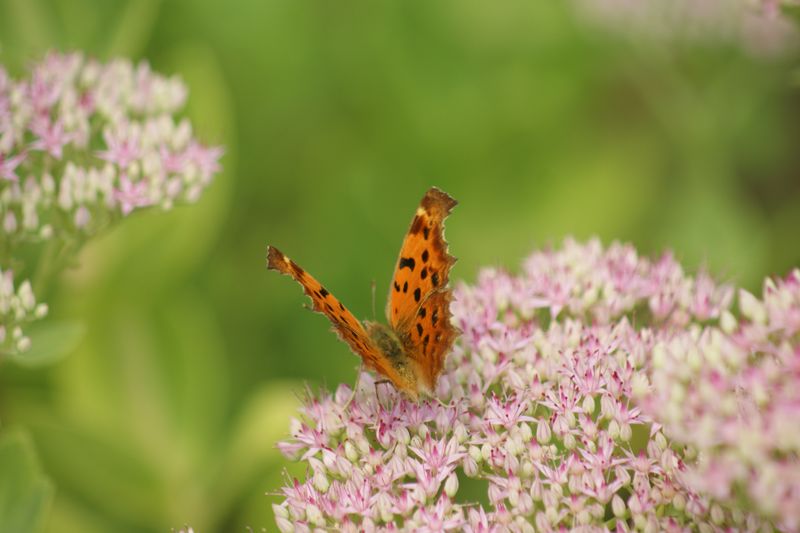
point(134, 28)
point(792, 12)
point(25, 493)
point(50, 342)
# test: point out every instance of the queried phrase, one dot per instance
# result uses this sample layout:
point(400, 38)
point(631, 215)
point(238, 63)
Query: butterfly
point(411, 350)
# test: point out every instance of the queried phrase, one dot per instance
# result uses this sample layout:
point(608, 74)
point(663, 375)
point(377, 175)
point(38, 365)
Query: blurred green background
point(336, 117)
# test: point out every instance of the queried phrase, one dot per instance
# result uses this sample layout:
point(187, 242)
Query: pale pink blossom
point(560, 397)
point(8, 166)
point(80, 148)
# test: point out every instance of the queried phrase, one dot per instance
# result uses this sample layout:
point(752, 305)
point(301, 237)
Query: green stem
point(56, 255)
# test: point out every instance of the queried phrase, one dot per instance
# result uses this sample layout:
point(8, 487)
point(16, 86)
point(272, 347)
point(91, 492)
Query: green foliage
point(25, 493)
point(50, 341)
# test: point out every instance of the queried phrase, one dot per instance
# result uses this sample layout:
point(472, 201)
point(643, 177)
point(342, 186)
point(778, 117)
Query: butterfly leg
point(355, 388)
point(439, 401)
point(380, 382)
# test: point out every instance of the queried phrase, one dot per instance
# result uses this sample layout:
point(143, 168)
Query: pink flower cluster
point(759, 26)
point(572, 400)
point(82, 142)
point(731, 392)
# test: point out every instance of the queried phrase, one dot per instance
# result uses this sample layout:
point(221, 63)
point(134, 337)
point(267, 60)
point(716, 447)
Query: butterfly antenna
point(373, 300)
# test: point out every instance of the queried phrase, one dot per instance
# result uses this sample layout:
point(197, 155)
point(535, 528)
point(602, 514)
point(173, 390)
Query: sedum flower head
point(83, 143)
point(759, 26)
point(731, 392)
point(556, 405)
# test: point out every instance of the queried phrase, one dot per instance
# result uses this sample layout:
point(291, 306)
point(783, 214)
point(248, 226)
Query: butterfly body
point(389, 345)
point(410, 351)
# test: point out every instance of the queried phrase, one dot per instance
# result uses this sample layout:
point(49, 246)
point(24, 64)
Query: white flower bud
point(284, 524)
point(470, 466)
point(314, 515)
point(613, 429)
point(728, 322)
point(451, 485)
point(543, 432)
point(618, 506)
point(363, 445)
point(350, 451)
point(526, 469)
point(475, 453)
point(679, 502)
point(751, 307)
point(403, 435)
point(588, 405)
point(321, 482)
point(639, 385)
point(460, 433)
point(634, 504)
point(26, 297)
point(10, 222)
point(82, 217)
point(608, 408)
point(661, 441)
point(525, 431)
point(486, 451)
point(625, 432)
point(24, 344)
point(384, 506)
point(48, 184)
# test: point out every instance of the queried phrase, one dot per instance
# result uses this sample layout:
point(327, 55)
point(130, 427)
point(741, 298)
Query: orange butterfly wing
point(346, 326)
point(419, 299)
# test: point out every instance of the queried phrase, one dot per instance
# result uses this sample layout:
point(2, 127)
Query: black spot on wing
point(425, 341)
point(424, 273)
point(405, 287)
point(323, 293)
point(407, 262)
point(435, 279)
point(417, 294)
point(421, 312)
point(424, 257)
point(396, 287)
point(435, 317)
point(426, 232)
point(419, 329)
